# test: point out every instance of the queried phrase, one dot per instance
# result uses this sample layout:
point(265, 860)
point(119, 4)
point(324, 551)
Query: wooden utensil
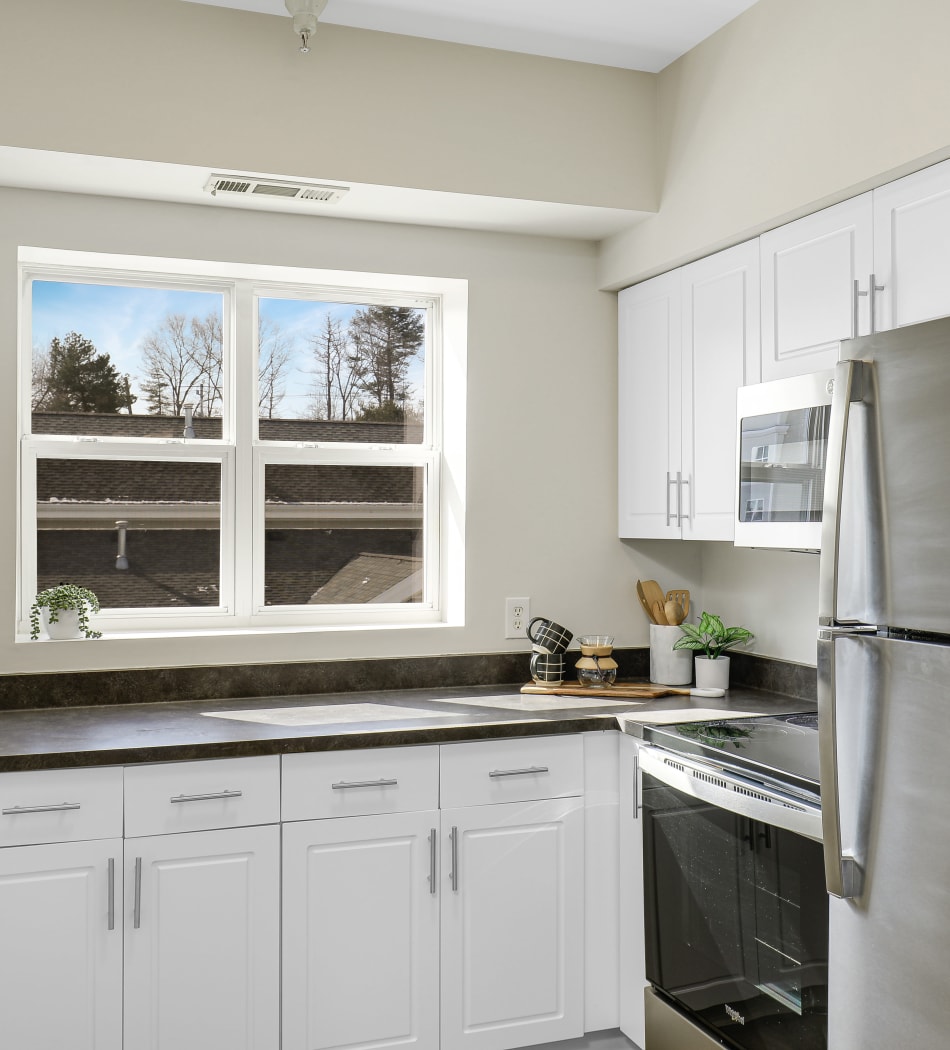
point(674, 613)
point(682, 597)
point(644, 603)
point(622, 690)
point(659, 615)
point(654, 596)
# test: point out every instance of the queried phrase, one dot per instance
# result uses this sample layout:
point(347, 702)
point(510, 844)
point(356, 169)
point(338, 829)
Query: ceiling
point(631, 34)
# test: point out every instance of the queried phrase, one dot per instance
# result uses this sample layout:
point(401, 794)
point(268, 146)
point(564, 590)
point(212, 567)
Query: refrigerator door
point(894, 563)
point(890, 945)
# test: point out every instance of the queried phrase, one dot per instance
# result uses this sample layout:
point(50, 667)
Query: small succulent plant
point(58, 599)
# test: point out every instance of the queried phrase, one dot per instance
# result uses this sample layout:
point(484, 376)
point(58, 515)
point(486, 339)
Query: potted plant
point(64, 611)
point(712, 638)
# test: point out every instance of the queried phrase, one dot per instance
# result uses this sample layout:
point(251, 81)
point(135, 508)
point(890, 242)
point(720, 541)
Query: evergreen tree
point(77, 379)
point(384, 341)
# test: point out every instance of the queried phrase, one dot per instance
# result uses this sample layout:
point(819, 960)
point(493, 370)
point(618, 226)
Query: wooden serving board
point(617, 691)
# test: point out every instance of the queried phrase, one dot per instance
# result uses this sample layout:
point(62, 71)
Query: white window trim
point(244, 455)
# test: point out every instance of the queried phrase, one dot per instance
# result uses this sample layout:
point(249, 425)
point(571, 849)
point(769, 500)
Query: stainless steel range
point(736, 911)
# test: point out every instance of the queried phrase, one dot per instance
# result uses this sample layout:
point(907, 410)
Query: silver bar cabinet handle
point(110, 891)
point(518, 772)
point(680, 482)
point(432, 861)
point(636, 786)
point(454, 872)
point(843, 874)
point(341, 785)
point(59, 807)
point(137, 899)
point(670, 480)
point(854, 306)
point(873, 289)
point(205, 798)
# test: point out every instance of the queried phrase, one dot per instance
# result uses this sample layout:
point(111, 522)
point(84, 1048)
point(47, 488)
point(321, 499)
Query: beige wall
point(185, 83)
point(541, 462)
point(794, 105)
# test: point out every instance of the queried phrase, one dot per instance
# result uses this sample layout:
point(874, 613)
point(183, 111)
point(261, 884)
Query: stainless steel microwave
point(781, 442)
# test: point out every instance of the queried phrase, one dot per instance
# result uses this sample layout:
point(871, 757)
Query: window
point(241, 447)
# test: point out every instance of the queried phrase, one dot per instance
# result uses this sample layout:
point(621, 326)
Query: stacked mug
point(549, 644)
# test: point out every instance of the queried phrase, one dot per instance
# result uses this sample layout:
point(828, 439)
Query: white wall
point(792, 106)
point(541, 419)
point(185, 83)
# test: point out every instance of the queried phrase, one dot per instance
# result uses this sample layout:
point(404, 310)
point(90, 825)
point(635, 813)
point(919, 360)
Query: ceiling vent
point(250, 187)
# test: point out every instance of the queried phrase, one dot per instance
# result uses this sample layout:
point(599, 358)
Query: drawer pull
point(432, 852)
point(341, 785)
point(58, 808)
point(206, 798)
point(137, 895)
point(454, 873)
point(518, 772)
point(110, 891)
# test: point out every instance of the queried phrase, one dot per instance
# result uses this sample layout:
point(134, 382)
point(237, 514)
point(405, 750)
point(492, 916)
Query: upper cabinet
point(688, 340)
point(815, 279)
point(912, 248)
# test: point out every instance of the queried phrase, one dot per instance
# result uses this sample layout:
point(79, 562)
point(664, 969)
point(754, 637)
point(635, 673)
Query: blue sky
point(118, 318)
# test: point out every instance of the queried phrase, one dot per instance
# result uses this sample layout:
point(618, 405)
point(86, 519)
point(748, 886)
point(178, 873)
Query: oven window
point(736, 921)
point(782, 465)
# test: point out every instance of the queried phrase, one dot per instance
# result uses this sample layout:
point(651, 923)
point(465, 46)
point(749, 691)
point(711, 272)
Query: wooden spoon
point(659, 615)
point(654, 597)
point(643, 601)
point(674, 612)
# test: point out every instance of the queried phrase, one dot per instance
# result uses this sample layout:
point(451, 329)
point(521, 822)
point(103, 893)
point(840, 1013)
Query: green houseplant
point(65, 597)
point(710, 638)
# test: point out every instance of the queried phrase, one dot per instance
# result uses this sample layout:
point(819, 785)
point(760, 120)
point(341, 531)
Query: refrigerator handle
point(844, 876)
point(848, 384)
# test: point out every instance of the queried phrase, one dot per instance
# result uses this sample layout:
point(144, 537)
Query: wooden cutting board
point(617, 691)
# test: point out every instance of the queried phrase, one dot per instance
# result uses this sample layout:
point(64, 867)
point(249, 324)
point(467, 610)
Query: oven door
point(736, 918)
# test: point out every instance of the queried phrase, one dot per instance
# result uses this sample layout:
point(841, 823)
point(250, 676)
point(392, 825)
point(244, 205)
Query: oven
point(736, 912)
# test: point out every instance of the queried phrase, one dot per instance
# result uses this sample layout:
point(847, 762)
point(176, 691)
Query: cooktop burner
point(776, 749)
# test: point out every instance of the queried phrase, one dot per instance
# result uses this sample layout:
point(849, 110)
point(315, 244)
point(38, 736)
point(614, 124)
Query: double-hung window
point(241, 447)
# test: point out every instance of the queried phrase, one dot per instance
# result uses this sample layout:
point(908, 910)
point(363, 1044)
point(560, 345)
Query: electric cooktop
point(774, 749)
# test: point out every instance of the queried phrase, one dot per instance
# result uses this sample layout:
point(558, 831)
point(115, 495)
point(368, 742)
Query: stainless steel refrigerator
point(884, 691)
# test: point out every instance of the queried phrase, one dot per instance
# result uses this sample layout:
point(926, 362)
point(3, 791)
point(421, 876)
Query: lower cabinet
point(361, 932)
point(513, 924)
point(633, 980)
point(61, 946)
point(202, 936)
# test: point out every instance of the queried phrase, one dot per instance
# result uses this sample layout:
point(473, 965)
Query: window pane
point(112, 359)
point(341, 372)
point(163, 517)
point(340, 535)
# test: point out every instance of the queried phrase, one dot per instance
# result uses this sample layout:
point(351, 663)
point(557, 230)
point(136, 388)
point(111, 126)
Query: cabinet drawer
point(482, 773)
point(201, 796)
point(60, 805)
point(357, 783)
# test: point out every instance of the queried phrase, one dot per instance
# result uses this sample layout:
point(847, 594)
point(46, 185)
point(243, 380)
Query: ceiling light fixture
point(305, 13)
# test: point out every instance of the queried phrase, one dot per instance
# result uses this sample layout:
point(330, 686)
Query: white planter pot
point(669, 666)
point(66, 625)
point(712, 674)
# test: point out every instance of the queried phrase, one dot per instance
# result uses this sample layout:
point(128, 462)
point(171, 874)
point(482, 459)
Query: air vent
point(301, 191)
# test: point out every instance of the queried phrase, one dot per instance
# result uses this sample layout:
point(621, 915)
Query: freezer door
point(894, 557)
point(890, 945)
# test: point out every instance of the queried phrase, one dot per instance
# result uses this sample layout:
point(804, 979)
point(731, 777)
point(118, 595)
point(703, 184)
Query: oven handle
point(747, 798)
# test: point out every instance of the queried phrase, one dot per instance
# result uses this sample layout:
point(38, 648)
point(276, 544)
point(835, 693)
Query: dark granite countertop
point(109, 734)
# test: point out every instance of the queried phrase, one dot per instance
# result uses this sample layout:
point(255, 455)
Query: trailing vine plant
point(63, 597)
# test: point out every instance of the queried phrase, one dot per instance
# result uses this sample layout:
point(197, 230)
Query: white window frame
point(243, 455)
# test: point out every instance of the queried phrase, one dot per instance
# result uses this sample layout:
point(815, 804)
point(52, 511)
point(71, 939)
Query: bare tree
point(273, 360)
point(176, 362)
point(334, 387)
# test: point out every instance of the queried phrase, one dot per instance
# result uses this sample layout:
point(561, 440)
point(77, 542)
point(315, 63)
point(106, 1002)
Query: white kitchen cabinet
point(815, 283)
point(202, 961)
point(512, 924)
point(633, 980)
point(361, 932)
point(61, 946)
point(912, 248)
point(688, 340)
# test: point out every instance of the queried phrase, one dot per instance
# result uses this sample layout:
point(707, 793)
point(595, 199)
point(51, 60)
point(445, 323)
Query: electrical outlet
point(517, 614)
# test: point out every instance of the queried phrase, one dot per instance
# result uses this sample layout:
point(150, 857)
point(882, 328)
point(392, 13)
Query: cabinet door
point(633, 980)
point(361, 932)
point(61, 946)
point(720, 354)
point(648, 384)
point(202, 940)
point(809, 296)
point(912, 248)
point(512, 924)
